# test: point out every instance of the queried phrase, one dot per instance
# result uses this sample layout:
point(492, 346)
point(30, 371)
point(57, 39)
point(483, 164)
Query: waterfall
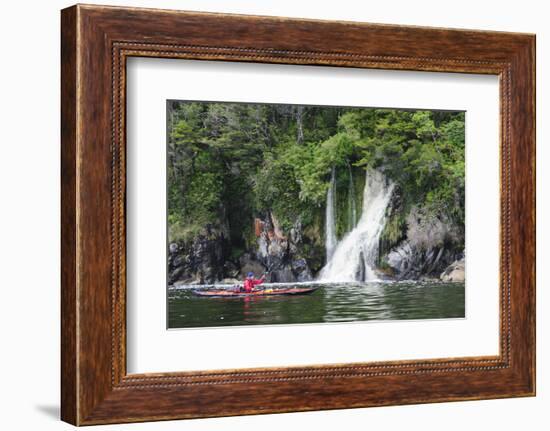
point(330, 219)
point(352, 211)
point(355, 255)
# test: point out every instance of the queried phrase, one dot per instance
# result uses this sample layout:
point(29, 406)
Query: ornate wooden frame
point(95, 43)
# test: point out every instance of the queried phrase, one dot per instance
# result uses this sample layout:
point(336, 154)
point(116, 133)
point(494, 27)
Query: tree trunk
point(299, 125)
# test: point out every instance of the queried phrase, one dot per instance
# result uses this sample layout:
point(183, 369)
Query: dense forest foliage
point(229, 163)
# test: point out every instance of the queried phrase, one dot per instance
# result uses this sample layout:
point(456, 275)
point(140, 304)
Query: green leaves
point(230, 162)
point(422, 151)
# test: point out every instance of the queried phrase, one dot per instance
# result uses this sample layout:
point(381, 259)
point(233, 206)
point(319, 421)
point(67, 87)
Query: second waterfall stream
point(354, 257)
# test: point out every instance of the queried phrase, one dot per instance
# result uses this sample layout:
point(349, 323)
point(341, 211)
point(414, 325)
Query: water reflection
point(338, 302)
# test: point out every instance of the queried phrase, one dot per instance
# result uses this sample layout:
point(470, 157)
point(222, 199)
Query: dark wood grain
point(96, 41)
point(69, 397)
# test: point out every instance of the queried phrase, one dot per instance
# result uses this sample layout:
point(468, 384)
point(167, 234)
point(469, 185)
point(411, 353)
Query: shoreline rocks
point(206, 259)
point(198, 261)
point(279, 253)
point(429, 246)
point(455, 272)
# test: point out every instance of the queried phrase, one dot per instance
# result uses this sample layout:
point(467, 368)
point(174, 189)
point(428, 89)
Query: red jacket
point(249, 284)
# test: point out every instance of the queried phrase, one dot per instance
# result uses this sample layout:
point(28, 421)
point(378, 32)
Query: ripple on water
point(332, 302)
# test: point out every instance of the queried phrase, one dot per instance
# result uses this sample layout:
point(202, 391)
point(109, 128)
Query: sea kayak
point(259, 292)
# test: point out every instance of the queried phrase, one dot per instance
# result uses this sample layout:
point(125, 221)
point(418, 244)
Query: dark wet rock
point(411, 262)
point(280, 253)
point(301, 270)
point(200, 260)
point(282, 275)
point(430, 245)
point(231, 270)
point(208, 257)
point(361, 270)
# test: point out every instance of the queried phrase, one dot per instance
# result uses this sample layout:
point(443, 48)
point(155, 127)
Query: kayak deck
point(262, 292)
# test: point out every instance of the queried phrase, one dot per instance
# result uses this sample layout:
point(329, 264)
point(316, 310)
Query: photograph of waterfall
point(293, 214)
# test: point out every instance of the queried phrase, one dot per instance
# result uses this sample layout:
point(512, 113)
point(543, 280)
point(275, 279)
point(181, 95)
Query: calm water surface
point(344, 302)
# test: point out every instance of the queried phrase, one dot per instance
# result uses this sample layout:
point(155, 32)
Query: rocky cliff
point(421, 244)
point(416, 243)
point(284, 257)
point(200, 260)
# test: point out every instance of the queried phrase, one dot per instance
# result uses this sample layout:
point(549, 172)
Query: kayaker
point(250, 282)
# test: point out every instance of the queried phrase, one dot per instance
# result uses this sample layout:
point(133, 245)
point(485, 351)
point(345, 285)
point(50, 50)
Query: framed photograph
point(265, 214)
